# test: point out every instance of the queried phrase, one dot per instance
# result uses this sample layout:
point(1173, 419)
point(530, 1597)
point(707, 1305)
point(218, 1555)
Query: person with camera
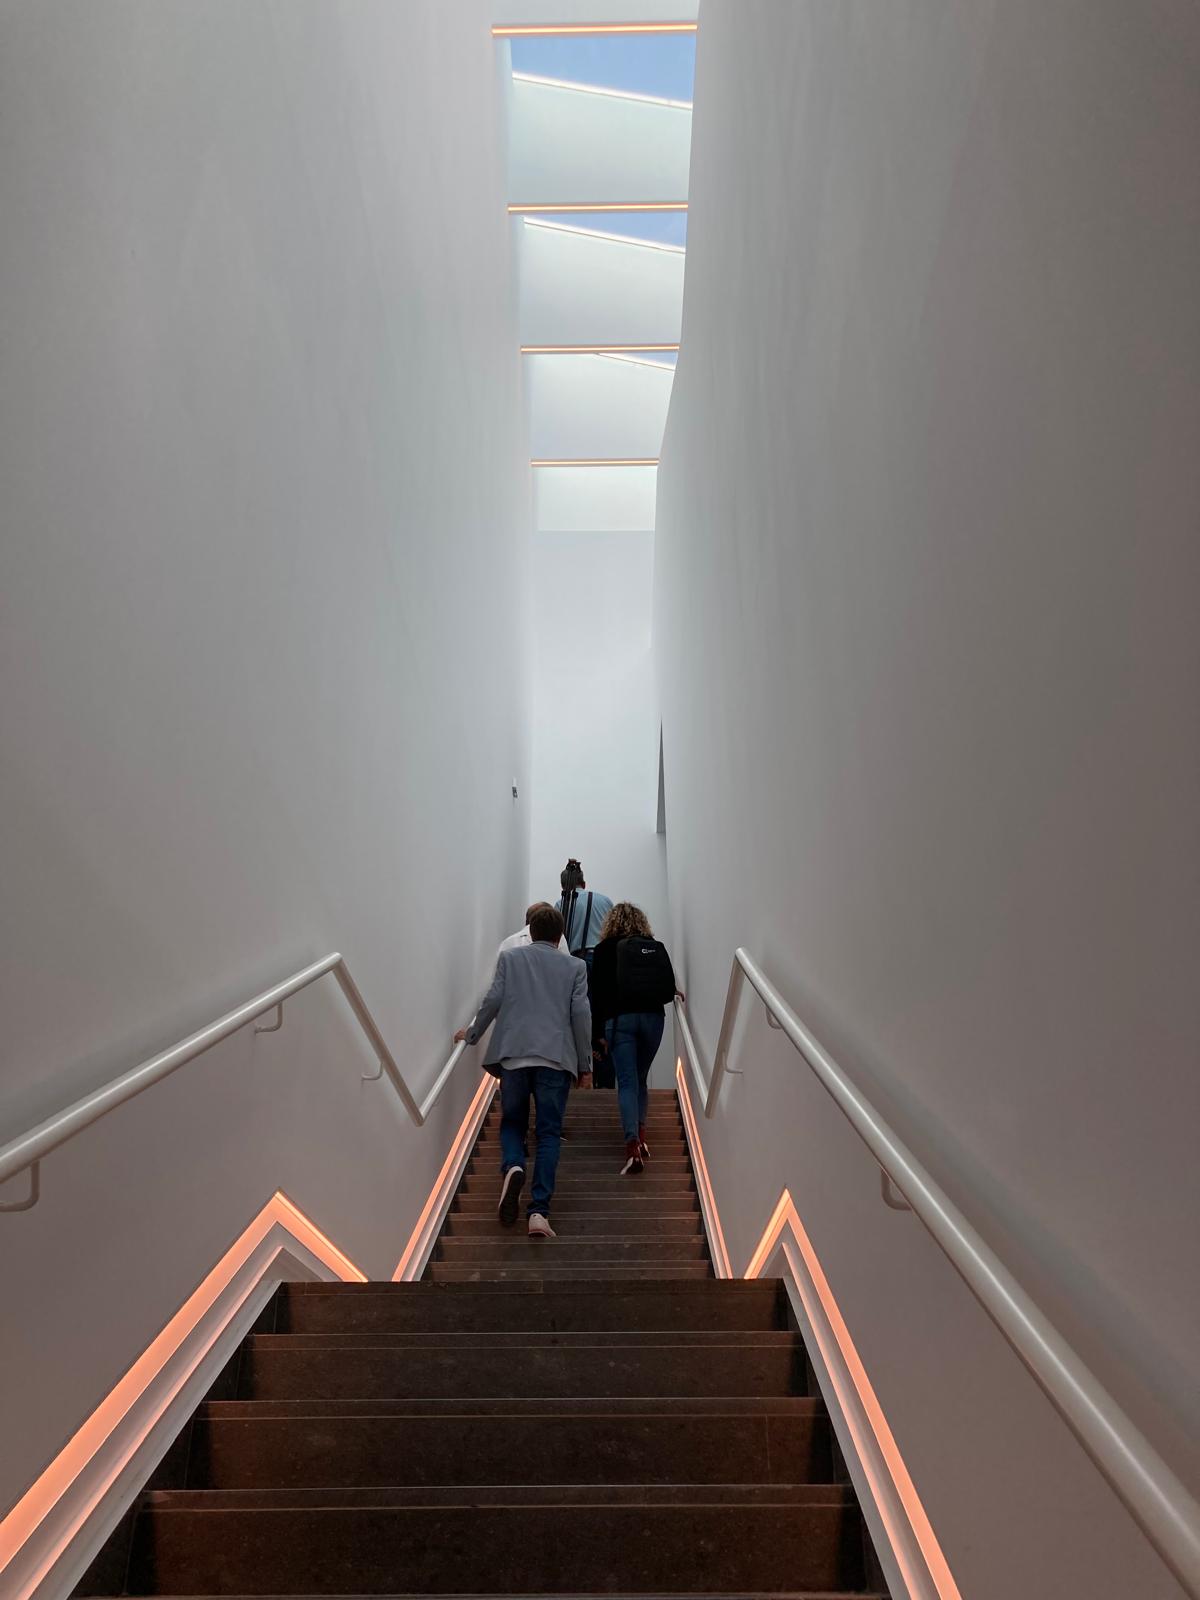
point(632, 981)
point(583, 911)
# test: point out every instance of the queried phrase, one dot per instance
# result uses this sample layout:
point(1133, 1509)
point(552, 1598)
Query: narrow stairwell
point(591, 1414)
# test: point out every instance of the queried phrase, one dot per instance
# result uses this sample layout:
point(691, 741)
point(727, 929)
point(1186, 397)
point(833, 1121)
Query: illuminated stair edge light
point(844, 1365)
point(530, 208)
point(459, 1149)
point(712, 1215)
point(76, 1456)
point(599, 461)
point(592, 349)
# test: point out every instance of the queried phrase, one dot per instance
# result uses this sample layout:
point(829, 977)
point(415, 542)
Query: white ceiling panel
point(594, 499)
point(586, 406)
point(577, 288)
point(575, 144)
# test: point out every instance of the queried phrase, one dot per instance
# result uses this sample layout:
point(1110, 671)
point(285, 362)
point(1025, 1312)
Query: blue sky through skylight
point(666, 227)
point(657, 63)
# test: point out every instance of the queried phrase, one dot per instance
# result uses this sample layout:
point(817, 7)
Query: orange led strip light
point(717, 1244)
point(462, 1140)
point(523, 30)
point(600, 461)
point(589, 349)
point(600, 205)
point(76, 1455)
point(786, 1217)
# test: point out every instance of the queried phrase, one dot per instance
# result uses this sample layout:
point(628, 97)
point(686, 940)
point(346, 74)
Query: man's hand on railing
point(461, 1036)
point(681, 997)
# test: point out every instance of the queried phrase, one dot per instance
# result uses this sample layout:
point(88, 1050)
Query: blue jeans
point(633, 1041)
point(549, 1088)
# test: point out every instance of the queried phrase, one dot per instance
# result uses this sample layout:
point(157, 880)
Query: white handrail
point(1159, 1503)
point(27, 1149)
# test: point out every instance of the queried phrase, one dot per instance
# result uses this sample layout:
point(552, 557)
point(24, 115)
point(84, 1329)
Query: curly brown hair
point(625, 921)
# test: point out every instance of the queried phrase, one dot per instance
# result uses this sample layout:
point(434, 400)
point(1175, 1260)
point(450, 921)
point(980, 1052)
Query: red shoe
point(633, 1158)
point(643, 1147)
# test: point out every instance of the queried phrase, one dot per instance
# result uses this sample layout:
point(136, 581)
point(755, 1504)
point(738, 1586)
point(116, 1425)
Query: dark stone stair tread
point(529, 1450)
point(664, 1190)
point(718, 1289)
point(325, 1371)
point(517, 1305)
point(758, 1405)
point(603, 1202)
point(598, 1175)
point(455, 1272)
point(670, 1140)
point(587, 1497)
point(571, 1249)
point(574, 1225)
point(486, 1546)
point(531, 1339)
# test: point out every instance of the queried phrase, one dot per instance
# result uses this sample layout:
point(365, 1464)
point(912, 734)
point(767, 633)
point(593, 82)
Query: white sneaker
point(510, 1195)
point(539, 1227)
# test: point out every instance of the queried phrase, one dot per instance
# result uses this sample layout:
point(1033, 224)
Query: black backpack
point(645, 976)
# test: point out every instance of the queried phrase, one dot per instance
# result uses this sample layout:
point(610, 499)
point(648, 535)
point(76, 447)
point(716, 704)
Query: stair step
point(544, 1338)
point(634, 1441)
point(598, 1129)
point(607, 1249)
point(590, 1182)
point(606, 1121)
point(649, 1224)
point(277, 1367)
point(637, 1540)
point(624, 1200)
point(634, 1305)
point(591, 1130)
point(603, 1168)
point(724, 1405)
point(452, 1272)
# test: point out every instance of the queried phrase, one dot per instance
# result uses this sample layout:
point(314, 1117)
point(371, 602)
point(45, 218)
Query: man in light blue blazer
point(540, 1046)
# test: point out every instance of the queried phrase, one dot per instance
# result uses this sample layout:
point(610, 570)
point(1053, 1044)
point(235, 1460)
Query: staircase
point(592, 1414)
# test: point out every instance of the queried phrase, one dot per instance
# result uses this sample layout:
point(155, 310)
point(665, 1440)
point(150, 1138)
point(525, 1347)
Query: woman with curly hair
point(632, 980)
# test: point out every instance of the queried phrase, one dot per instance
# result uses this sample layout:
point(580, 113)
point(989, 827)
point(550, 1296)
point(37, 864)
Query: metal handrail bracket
point(27, 1149)
point(1160, 1504)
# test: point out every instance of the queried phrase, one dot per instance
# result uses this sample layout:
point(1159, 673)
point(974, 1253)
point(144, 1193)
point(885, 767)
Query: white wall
point(595, 499)
point(926, 629)
point(576, 144)
point(577, 289)
point(559, 11)
point(594, 791)
point(596, 405)
point(265, 522)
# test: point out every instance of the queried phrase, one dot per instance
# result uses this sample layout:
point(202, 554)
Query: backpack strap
point(587, 921)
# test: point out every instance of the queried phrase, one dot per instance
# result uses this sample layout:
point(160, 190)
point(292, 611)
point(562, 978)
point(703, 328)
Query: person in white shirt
point(523, 936)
